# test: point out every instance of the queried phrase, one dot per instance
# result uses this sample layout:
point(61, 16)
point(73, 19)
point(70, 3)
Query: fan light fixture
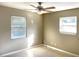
point(40, 9)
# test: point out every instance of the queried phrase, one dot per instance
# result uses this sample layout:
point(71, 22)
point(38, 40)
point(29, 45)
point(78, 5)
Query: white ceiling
point(26, 5)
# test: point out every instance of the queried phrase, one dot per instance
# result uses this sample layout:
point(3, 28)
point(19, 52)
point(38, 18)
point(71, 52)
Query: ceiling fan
point(41, 8)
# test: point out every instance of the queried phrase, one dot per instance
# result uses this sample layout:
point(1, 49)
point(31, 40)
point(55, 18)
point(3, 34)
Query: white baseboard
point(38, 46)
point(75, 55)
point(3, 55)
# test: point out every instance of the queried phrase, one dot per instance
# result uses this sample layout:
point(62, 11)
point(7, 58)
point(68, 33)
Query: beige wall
point(34, 31)
point(51, 30)
point(52, 35)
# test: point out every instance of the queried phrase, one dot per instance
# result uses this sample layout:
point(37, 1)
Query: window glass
point(18, 27)
point(68, 25)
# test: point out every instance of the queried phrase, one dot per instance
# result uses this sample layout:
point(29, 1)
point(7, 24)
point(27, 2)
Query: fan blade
point(33, 6)
point(50, 8)
point(31, 9)
point(46, 10)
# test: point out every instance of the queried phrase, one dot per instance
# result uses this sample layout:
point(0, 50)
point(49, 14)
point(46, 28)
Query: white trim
point(75, 55)
point(38, 46)
point(3, 55)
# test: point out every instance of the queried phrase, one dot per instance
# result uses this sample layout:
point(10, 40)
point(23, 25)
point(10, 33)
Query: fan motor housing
point(40, 8)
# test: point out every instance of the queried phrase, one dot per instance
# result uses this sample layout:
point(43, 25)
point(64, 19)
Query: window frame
point(18, 31)
point(62, 26)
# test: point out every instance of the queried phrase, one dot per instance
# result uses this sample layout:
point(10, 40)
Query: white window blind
point(18, 27)
point(68, 25)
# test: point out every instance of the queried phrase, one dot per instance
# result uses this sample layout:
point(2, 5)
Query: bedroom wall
point(54, 38)
point(34, 30)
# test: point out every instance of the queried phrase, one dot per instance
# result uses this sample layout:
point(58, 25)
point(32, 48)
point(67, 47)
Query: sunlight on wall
point(30, 40)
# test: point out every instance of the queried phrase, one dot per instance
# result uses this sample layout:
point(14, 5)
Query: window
point(68, 25)
point(18, 27)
